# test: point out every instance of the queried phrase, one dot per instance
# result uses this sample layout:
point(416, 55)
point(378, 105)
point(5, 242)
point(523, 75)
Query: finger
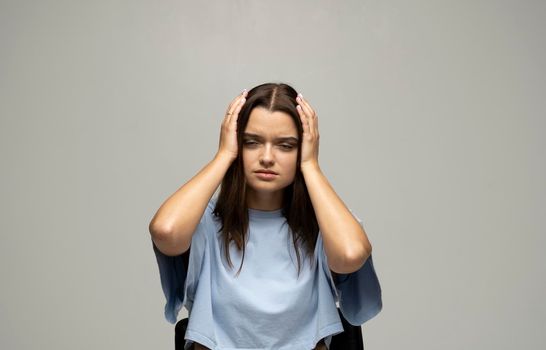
point(306, 107)
point(306, 104)
point(315, 127)
point(232, 118)
point(233, 106)
point(312, 117)
point(304, 119)
point(235, 101)
point(230, 105)
point(312, 126)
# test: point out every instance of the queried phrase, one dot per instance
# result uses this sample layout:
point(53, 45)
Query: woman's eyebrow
point(284, 138)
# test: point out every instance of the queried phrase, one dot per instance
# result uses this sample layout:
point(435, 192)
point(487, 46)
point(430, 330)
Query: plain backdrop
point(432, 123)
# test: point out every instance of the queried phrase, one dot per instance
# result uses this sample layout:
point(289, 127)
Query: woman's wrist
point(224, 157)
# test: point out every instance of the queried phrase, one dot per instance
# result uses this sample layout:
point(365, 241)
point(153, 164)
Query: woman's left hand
point(310, 142)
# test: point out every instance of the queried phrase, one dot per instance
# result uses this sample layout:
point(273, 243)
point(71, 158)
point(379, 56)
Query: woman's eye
point(283, 146)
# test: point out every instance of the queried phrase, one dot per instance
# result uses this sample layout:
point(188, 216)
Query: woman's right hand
point(228, 132)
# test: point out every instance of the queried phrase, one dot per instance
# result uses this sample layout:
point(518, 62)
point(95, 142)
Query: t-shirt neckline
point(256, 213)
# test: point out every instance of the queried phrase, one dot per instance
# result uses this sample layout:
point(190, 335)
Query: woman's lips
point(266, 176)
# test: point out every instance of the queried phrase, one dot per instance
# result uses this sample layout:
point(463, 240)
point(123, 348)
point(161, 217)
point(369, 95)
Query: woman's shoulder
point(208, 222)
point(208, 214)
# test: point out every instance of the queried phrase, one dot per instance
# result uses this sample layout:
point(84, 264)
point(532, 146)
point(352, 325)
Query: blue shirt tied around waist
point(267, 306)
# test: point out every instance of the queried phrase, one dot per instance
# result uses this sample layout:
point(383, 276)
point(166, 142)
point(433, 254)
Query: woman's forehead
point(273, 124)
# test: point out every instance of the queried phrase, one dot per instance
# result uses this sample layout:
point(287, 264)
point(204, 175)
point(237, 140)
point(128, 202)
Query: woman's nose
point(267, 155)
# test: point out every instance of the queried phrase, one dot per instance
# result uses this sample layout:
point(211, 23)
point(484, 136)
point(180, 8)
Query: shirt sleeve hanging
point(359, 292)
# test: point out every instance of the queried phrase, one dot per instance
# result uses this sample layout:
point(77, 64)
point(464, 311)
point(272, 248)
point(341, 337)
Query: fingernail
point(244, 90)
point(300, 95)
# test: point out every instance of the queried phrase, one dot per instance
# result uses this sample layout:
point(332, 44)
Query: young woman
point(302, 249)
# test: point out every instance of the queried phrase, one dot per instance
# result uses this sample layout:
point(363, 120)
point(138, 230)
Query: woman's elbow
point(158, 231)
point(353, 261)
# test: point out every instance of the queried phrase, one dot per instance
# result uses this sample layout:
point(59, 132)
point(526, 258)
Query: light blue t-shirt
point(267, 306)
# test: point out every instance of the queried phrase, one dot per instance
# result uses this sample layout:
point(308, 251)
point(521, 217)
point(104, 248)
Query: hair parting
point(231, 207)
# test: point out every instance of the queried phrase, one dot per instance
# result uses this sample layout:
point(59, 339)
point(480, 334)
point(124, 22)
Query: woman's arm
point(345, 242)
point(177, 218)
point(173, 225)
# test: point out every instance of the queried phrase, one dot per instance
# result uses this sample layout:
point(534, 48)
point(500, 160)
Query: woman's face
point(270, 142)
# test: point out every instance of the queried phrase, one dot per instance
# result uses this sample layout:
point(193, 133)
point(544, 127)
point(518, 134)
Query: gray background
point(432, 121)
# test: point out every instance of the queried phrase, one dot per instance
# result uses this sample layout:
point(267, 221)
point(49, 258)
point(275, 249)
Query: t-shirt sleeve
point(359, 292)
point(180, 273)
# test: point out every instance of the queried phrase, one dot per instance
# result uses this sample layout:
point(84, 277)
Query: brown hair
point(231, 206)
